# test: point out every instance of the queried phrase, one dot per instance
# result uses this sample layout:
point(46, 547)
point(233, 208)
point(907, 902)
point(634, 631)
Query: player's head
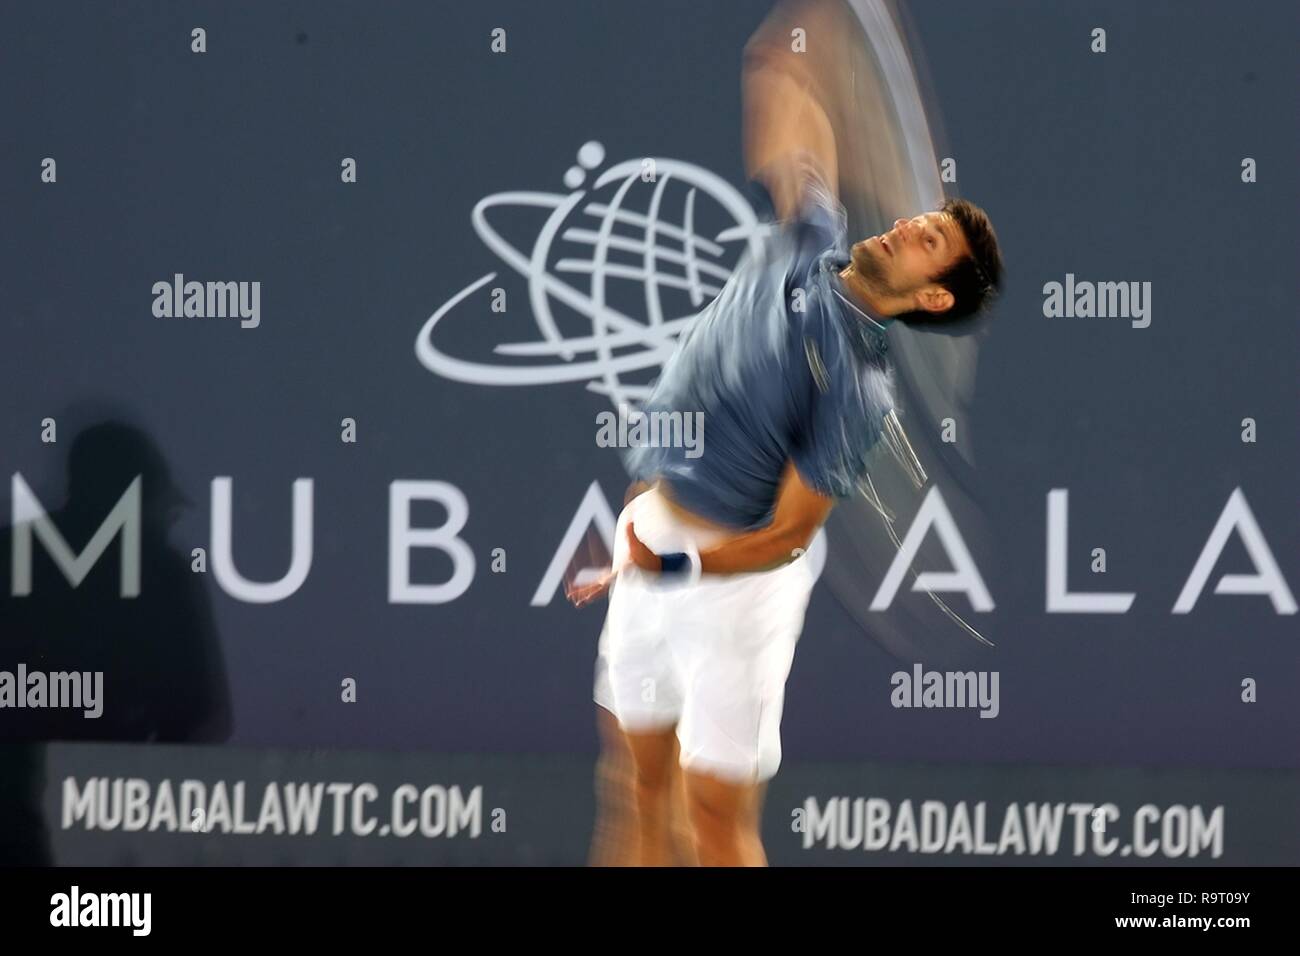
point(935, 267)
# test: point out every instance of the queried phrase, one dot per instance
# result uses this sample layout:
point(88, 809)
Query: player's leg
point(613, 835)
point(648, 735)
point(753, 827)
point(722, 739)
point(681, 833)
point(722, 817)
point(646, 699)
point(737, 643)
point(654, 761)
point(726, 818)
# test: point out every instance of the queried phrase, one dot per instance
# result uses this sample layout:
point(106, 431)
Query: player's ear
point(934, 299)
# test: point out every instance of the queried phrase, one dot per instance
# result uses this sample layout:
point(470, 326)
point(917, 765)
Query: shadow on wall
point(163, 675)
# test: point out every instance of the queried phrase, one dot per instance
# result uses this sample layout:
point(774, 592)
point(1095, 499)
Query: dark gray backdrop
point(1115, 167)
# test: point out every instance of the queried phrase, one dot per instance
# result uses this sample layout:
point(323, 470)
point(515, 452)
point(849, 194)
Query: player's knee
point(654, 757)
point(715, 804)
point(654, 779)
point(719, 835)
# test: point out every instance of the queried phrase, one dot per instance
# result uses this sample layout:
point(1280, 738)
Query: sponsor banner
point(889, 814)
point(180, 805)
point(113, 804)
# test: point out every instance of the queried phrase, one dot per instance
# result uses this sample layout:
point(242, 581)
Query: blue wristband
point(674, 563)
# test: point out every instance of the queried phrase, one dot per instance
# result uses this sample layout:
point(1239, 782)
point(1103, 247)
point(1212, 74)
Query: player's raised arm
point(785, 125)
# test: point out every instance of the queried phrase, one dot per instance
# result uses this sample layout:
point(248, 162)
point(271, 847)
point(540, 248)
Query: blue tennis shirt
point(784, 365)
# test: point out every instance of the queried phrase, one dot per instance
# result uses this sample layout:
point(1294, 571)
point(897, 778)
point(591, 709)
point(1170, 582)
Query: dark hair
point(974, 280)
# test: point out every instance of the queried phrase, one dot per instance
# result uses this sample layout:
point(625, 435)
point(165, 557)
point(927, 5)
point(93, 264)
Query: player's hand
point(639, 554)
point(582, 594)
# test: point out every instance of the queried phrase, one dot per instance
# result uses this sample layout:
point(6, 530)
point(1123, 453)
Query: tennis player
point(789, 367)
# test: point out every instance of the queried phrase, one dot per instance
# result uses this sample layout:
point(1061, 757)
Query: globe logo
point(613, 276)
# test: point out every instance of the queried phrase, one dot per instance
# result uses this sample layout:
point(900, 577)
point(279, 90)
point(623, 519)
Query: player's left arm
point(799, 512)
point(785, 124)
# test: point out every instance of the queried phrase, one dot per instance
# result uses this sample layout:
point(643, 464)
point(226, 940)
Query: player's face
point(908, 257)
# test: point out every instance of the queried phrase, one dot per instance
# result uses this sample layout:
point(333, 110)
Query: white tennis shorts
point(710, 658)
